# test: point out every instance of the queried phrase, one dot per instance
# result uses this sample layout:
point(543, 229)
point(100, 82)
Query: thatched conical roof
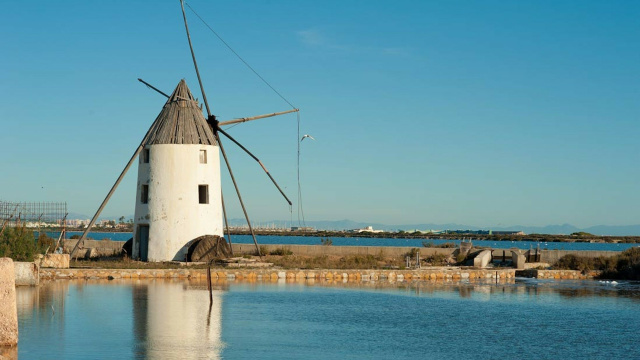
point(181, 121)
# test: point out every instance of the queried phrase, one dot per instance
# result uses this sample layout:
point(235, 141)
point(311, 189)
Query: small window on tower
point(203, 156)
point(203, 194)
point(144, 194)
point(145, 156)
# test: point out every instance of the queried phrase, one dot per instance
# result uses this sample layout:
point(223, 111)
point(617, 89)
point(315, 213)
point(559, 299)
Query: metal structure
point(215, 127)
point(41, 212)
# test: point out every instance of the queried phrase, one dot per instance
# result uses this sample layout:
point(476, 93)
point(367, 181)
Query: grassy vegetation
point(284, 261)
point(334, 262)
point(623, 266)
point(430, 244)
point(437, 260)
point(281, 252)
point(20, 244)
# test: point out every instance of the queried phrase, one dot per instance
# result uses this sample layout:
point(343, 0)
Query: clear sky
point(484, 113)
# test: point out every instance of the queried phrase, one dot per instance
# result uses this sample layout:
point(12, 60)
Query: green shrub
point(448, 245)
point(430, 244)
point(623, 266)
point(627, 265)
point(326, 242)
point(281, 252)
point(437, 259)
point(20, 244)
point(45, 243)
point(412, 253)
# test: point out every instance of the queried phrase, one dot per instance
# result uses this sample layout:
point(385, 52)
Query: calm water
point(312, 240)
point(172, 320)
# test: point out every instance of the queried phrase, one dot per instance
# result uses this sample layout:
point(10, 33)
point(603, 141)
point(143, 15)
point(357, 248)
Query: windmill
point(179, 196)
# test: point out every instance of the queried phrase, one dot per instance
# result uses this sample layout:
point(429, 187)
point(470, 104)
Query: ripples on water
point(162, 319)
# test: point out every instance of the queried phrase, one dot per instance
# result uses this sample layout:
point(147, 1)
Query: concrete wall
point(173, 212)
point(559, 274)
point(8, 309)
point(482, 259)
point(552, 256)
point(102, 247)
point(518, 259)
point(315, 250)
point(26, 273)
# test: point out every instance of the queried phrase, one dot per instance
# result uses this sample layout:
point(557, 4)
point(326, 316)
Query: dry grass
point(284, 261)
point(334, 262)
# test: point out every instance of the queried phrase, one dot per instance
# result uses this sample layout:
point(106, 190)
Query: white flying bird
point(307, 136)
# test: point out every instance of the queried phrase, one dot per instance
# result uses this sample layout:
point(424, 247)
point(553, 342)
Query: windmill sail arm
point(241, 120)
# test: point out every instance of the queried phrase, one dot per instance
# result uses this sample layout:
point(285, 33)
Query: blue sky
point(484, 113)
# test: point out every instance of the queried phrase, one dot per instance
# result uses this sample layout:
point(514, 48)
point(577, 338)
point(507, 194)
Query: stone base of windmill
point(207, 248)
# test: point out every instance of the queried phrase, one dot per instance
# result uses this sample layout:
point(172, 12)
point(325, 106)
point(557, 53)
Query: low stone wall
point(8, 309)
point(26, 274)
point(432, 274)
point(558, 274)
point(57, 261)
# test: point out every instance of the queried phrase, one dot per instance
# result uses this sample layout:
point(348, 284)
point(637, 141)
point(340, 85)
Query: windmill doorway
point(143, 240)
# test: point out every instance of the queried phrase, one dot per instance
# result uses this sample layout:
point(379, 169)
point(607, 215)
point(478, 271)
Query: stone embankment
point(431, 274)
point(425, 274)
point(559, 274)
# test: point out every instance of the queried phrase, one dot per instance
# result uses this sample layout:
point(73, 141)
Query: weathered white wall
point(173, 212)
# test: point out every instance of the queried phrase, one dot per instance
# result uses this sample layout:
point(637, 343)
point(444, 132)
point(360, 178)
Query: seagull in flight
point(307, 136)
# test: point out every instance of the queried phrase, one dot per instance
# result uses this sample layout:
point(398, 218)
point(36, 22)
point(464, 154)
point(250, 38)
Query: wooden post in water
point(209, 284)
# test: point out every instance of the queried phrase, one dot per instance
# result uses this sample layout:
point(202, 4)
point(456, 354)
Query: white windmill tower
point(179, 195)
point(178, 191)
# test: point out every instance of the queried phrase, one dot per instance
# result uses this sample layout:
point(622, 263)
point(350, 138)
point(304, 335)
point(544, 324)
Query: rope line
point(239, 57)
point(300, 209)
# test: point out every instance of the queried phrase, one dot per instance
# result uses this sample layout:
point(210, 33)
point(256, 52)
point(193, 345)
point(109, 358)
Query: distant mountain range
point(618, 230)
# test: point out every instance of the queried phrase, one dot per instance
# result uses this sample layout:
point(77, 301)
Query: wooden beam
point(241, 120)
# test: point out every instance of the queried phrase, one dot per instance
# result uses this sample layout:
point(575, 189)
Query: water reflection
point(172, 319)
point(161, 320)
point(480, 289)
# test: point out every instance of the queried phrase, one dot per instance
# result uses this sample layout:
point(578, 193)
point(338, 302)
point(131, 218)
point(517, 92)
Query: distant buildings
point(483, 232)
point(368, 229)
point(464, 232)
point(302, 228)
